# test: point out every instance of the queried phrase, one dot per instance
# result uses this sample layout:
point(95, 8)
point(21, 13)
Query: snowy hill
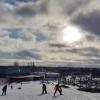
point(32, 91)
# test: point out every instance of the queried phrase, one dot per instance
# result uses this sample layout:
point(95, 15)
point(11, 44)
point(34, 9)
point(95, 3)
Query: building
point(52, 76)
point(6, 71)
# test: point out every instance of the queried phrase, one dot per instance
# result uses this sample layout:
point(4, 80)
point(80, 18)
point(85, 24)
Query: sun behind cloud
point(71, 34)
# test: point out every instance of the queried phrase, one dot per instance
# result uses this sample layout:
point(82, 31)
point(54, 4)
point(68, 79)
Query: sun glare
point(71, 34)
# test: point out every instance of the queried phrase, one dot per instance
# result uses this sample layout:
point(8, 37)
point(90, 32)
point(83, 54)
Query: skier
point(44, 88)
point(58, 88)
point(4, 90)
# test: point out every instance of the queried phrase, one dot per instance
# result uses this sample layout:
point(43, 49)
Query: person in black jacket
point(4, 90)
point(44, 88)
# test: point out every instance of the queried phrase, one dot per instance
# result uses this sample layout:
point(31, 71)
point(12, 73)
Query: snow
point(32, 91)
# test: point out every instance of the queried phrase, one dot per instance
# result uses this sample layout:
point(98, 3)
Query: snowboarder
point(58, 88)
point(44, 88)
point(4, 90)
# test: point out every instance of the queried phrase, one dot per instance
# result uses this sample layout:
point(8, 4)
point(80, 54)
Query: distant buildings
point(6, 71)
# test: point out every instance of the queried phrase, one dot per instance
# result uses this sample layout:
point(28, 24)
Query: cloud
point(71, 7)
point(22, 54)
point(89, 22)
point(17, 33)
point(40, 37)
point(26, 10)
point(38, 24)
point(14, 2)
point(53, 26)
point(33, 9)
point(5, 9)
point(30, 13)
point(88, 52)
point(5, 55)
point(26, 54)
point(80, 52)
point(30, 9)
point(57, 45)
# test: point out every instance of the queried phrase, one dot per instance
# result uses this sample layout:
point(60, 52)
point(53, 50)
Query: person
point(11, 86)
point(57, 88)
point(4, 90)
point(60, 90)
point(21, 83)
point(44, 88)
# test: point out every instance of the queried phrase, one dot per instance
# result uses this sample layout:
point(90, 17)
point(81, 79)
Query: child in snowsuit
point(57, 88)
point(4, 90)
point(44, 89)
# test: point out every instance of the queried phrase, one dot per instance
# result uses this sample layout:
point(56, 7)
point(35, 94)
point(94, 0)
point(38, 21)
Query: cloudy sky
point(33, 30)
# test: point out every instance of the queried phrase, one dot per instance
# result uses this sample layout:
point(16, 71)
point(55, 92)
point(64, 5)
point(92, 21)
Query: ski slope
point(32, 91)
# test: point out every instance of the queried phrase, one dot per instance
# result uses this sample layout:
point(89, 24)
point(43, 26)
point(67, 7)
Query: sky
point(33, 30)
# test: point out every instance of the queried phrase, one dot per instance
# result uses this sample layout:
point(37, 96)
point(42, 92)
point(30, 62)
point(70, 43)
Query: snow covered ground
point(32, 91)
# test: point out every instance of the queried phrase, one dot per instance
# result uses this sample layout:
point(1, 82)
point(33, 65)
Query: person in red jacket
point(57, 88)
